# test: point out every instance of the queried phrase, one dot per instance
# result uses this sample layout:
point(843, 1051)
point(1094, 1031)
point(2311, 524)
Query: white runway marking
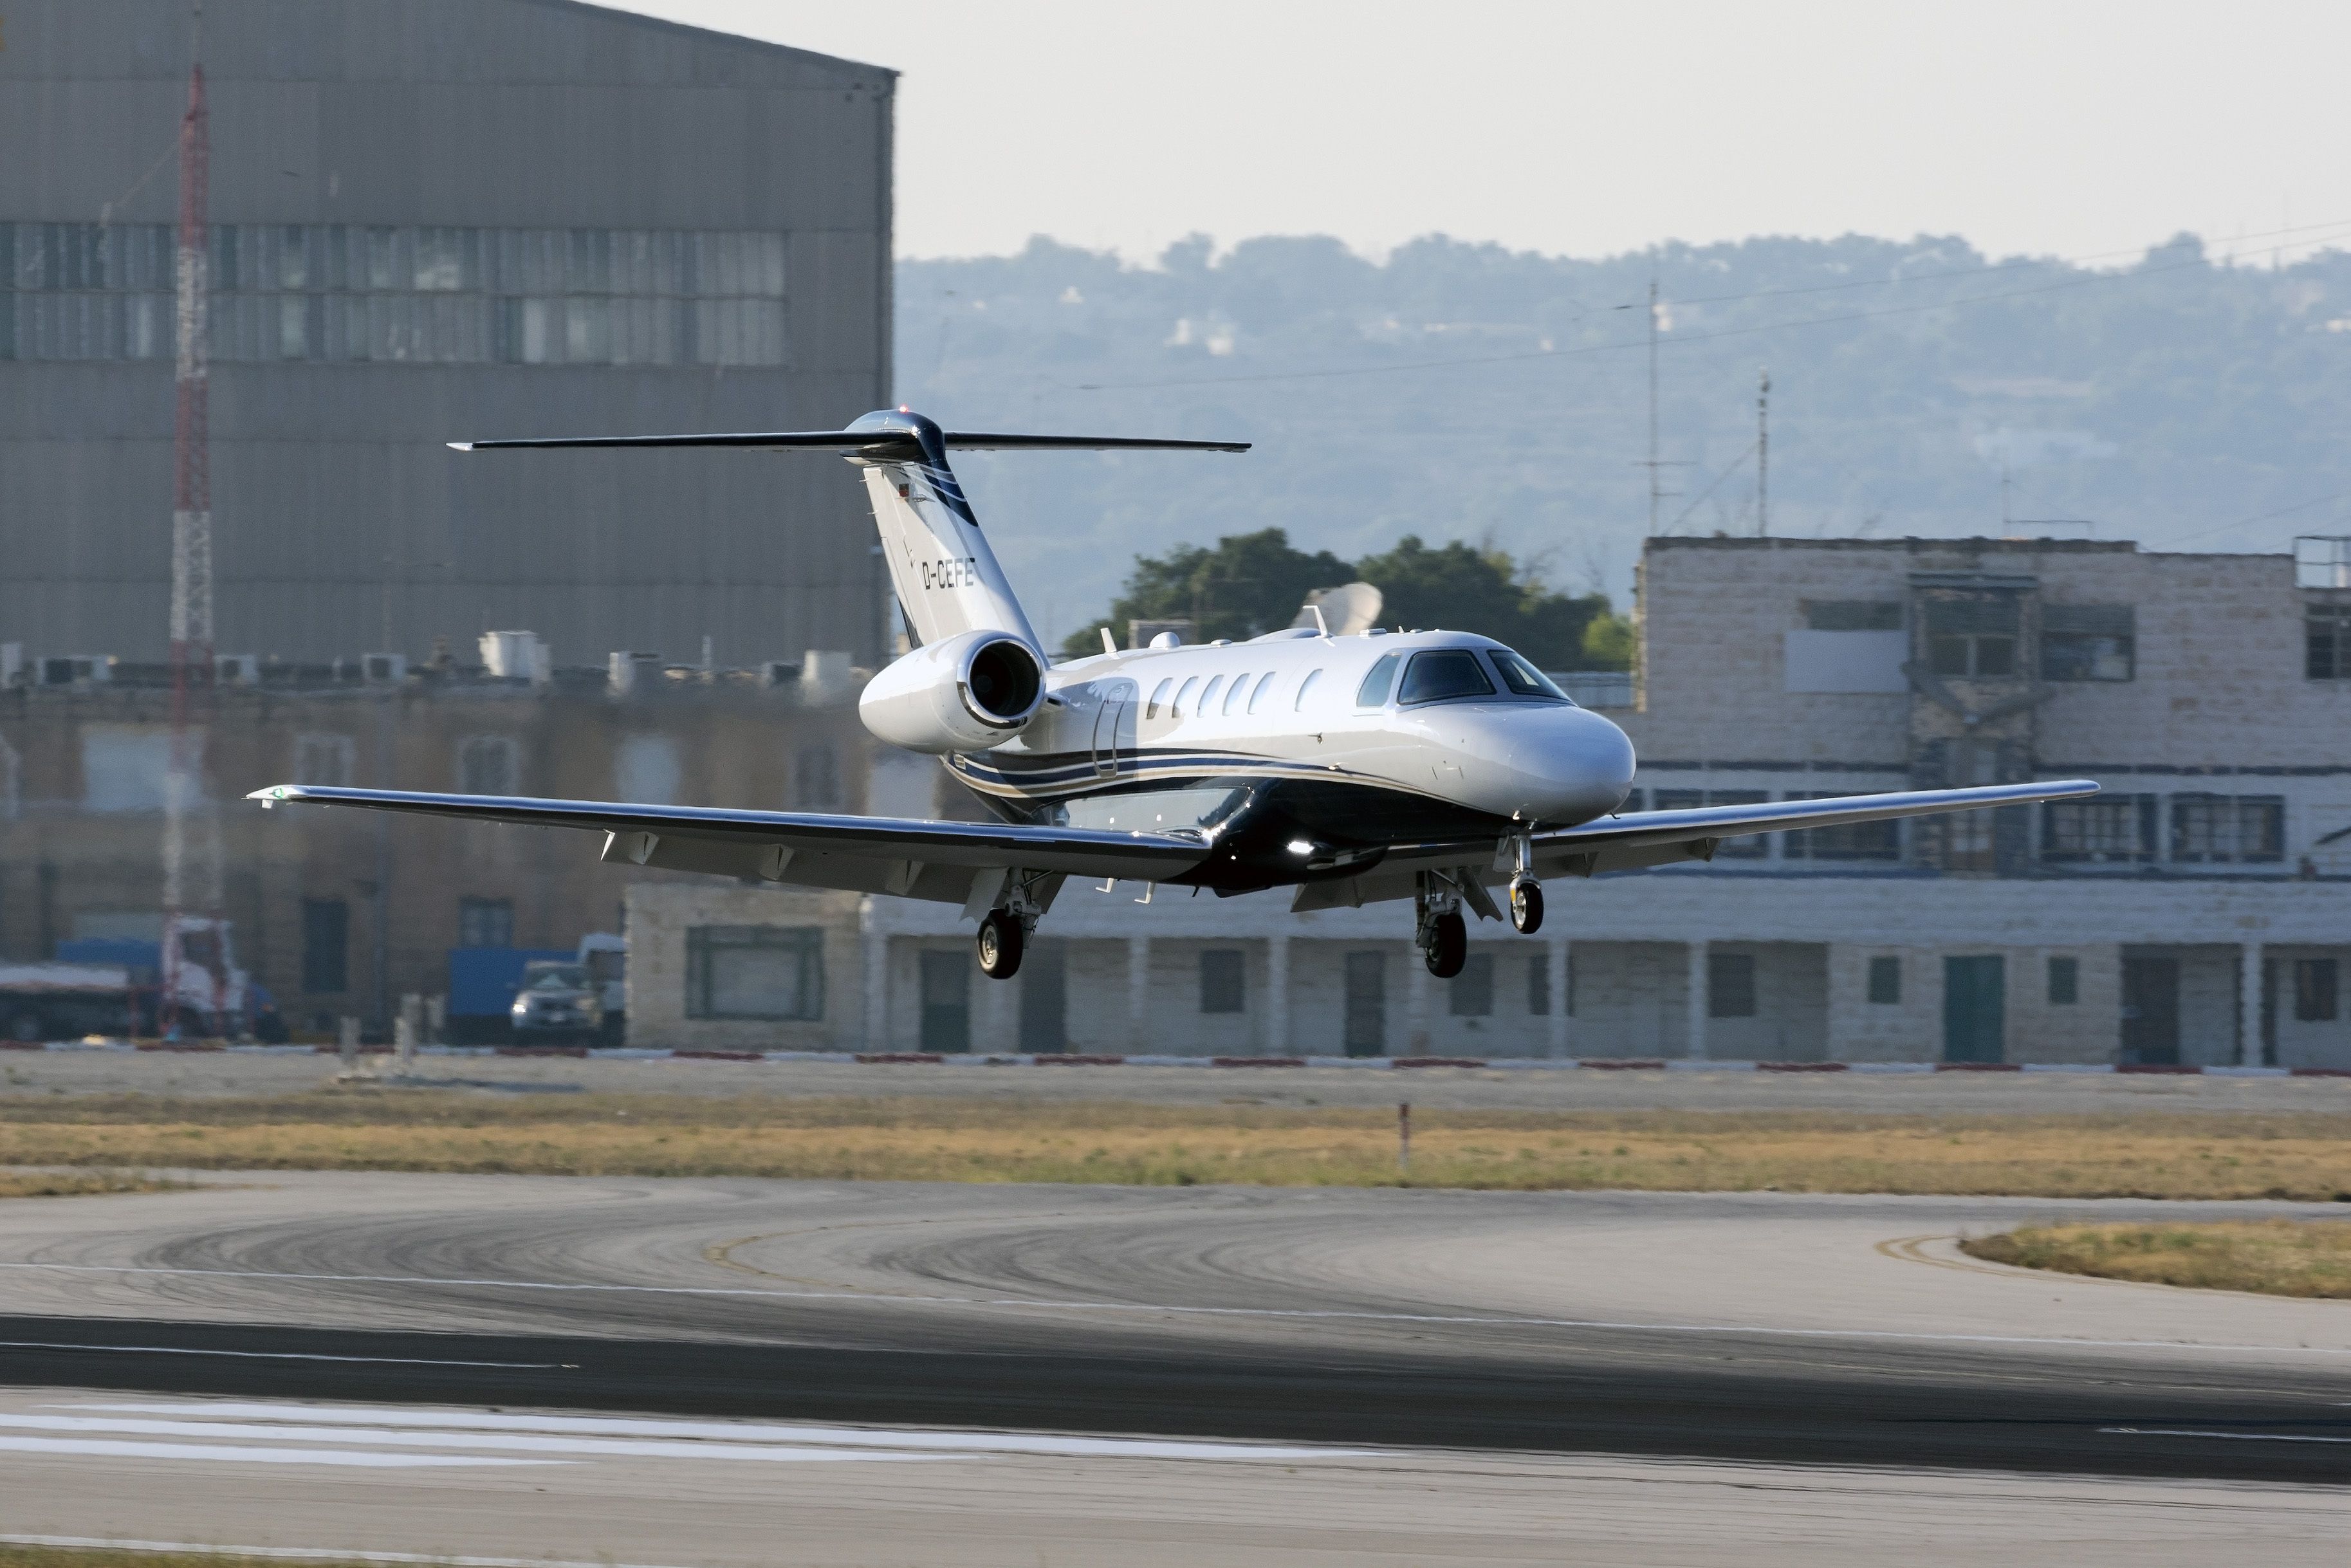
point(691, 1436)
point(282, 1355)
point(306, 1554)
point(601, 1447)
point(1025, 1304)
point(2232, 1437)
point(103, 1448)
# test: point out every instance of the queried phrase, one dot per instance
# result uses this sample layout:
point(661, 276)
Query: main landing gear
point(1443, 934)
point(1020, 898)
point(1002, 939)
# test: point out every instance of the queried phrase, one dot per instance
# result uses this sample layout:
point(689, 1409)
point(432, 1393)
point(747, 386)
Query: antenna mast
point(1763, 452)
point(189, 888)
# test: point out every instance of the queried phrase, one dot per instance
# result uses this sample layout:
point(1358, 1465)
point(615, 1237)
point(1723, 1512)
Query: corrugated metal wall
point(338, 512)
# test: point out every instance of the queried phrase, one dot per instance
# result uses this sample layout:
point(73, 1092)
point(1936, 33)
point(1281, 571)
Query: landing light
point(1301, 847)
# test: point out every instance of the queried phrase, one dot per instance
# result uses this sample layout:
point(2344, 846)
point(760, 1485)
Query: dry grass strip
point(77, 1184)
point(2274, 1257)
point(2233, 1154)
point(121, 1557)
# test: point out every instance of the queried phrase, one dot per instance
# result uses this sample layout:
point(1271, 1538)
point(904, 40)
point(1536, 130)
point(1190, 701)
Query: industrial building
point(433, 220)
point(2197, 912)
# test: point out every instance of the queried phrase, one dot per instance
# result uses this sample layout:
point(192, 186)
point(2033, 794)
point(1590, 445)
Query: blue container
point(483, 980)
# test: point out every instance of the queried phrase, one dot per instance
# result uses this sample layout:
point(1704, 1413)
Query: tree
point(1460, 587)
point(1249, 584)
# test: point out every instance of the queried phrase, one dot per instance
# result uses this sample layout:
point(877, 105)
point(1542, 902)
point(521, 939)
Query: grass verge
point(2244, 1154)
point(77, 1184)
point(2274, 1257)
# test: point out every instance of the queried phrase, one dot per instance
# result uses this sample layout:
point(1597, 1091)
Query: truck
point(42, 1002)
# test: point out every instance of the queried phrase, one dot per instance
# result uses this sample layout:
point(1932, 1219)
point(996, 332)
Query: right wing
point(947, 863)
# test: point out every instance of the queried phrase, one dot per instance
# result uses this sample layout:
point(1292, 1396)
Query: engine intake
point(969, 693)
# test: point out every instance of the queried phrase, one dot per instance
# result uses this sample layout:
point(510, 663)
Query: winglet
point(461, 445)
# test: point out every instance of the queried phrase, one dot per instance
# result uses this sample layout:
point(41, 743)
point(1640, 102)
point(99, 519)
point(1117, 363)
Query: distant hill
point(1465, 392)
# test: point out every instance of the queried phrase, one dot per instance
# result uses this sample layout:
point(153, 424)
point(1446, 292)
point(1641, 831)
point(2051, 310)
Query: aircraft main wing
point(1635, 840)
point(911, 857)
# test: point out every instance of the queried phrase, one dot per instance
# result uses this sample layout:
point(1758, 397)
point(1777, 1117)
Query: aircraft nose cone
point(1570, 766)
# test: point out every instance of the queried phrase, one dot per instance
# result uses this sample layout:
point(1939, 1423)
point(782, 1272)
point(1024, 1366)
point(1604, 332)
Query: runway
point(674, 1372)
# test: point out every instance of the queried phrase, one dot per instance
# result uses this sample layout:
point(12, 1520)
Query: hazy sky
point(2054, 127)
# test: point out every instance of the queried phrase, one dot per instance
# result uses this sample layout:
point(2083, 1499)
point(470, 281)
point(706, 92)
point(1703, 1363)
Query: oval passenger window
point(1264, 684)
point(1175, 708)
point(1209, 697)
point(1305, 686)
point(1233, 697)
point(1158, 698)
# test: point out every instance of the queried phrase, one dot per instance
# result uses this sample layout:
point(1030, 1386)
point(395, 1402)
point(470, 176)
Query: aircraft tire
point(1000, 942)
point(1448, 945)
point(1526, 907)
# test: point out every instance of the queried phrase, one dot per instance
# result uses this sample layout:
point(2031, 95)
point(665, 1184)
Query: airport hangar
point(436, 220)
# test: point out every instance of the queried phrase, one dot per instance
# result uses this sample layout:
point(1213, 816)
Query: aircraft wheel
point(1448, 945)
point(1526, 907)
point(1000, 941)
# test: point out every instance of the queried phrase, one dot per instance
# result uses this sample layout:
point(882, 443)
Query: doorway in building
point(1045, 997)
point(1367, 1004)
point(2151, 1011)
point(947, 999)
point(1975, 1005)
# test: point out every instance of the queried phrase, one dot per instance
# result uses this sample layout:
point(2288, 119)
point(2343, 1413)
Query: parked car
point(558, 1000)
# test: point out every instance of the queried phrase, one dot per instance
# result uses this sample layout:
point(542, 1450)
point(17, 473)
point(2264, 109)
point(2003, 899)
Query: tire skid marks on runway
point(628, 1437)
point(227, 1453)
point(1335, 1315)
point(286, 1356)
point(302, 1553)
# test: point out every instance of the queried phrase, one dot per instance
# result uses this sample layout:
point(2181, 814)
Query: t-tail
point(947, 579)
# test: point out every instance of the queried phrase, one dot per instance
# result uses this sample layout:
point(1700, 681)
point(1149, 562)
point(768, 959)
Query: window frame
point(1724, 994)
point(703, 943)
point(2143, 809)
point(1882, 981)
point(1466, 658)
point(1224, 981)
point(2317, 991)
point(2271, 832)
point(1381, 676)
point(2064, 980)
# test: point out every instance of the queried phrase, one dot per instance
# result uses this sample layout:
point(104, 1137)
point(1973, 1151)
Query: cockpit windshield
point(1521, 678)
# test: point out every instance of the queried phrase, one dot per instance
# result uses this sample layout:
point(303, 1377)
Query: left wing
point(947, 863)
point(1635, 840)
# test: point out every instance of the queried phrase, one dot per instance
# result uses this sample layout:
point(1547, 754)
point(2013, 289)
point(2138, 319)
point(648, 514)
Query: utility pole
point(1657, 466)
point(189, 888)
point(1763, 452)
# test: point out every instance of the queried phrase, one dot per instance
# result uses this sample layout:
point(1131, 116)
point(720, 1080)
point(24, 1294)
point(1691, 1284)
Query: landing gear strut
point(1526, 892)
point(1021, 898)
point(1443, 933)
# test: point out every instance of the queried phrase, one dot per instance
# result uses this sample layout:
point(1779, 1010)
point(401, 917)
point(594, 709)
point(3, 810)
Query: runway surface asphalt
point(1130, 1372)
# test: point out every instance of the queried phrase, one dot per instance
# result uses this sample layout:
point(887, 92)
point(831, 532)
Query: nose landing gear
point(1526, 892)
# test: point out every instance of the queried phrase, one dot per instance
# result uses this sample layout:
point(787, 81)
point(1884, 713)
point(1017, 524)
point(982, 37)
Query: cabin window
point(1521, 678)
point(1233, 697)
point(1264, 684)
point(1374, 693)
point(1445, 673)
point(1305, 686)
point(1158, 698)
point(1175, 708)
point(1209, 697)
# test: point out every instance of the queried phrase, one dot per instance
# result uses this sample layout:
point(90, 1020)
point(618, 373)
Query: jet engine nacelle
point(972, 691)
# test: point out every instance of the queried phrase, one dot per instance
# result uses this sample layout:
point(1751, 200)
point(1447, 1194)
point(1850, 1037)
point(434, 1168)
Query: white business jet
point(1435, 766)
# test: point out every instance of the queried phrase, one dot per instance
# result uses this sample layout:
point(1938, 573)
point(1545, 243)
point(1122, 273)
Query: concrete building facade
point(2197, 912)
point(436, 220)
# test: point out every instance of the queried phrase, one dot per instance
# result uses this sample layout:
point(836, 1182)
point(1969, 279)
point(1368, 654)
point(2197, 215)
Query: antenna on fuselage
point(1321, 626)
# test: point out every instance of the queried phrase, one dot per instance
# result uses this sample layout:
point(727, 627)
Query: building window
point(1224, 982)
point(485, 923)
point(1849, 842)
point(323, 759)
point(816, 779)
point(2225, 829)
point(755, 972)
point(2314, 997)
point(326, 945)
point(2064, 982)
point(2109, 830)
point(2327, 632)
point(1730, 985)
point(2088, 642)
point(1747, 846)
point(645, 770)
point(126, 767)
point(1885, 981)
point(1853, 614)
point(1472, 993)
point(422, 295)
point(1539, 986)
point(1973, 638)
point(489, 764)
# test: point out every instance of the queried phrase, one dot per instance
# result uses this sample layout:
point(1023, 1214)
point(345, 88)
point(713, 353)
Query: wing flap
point(864, 853)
